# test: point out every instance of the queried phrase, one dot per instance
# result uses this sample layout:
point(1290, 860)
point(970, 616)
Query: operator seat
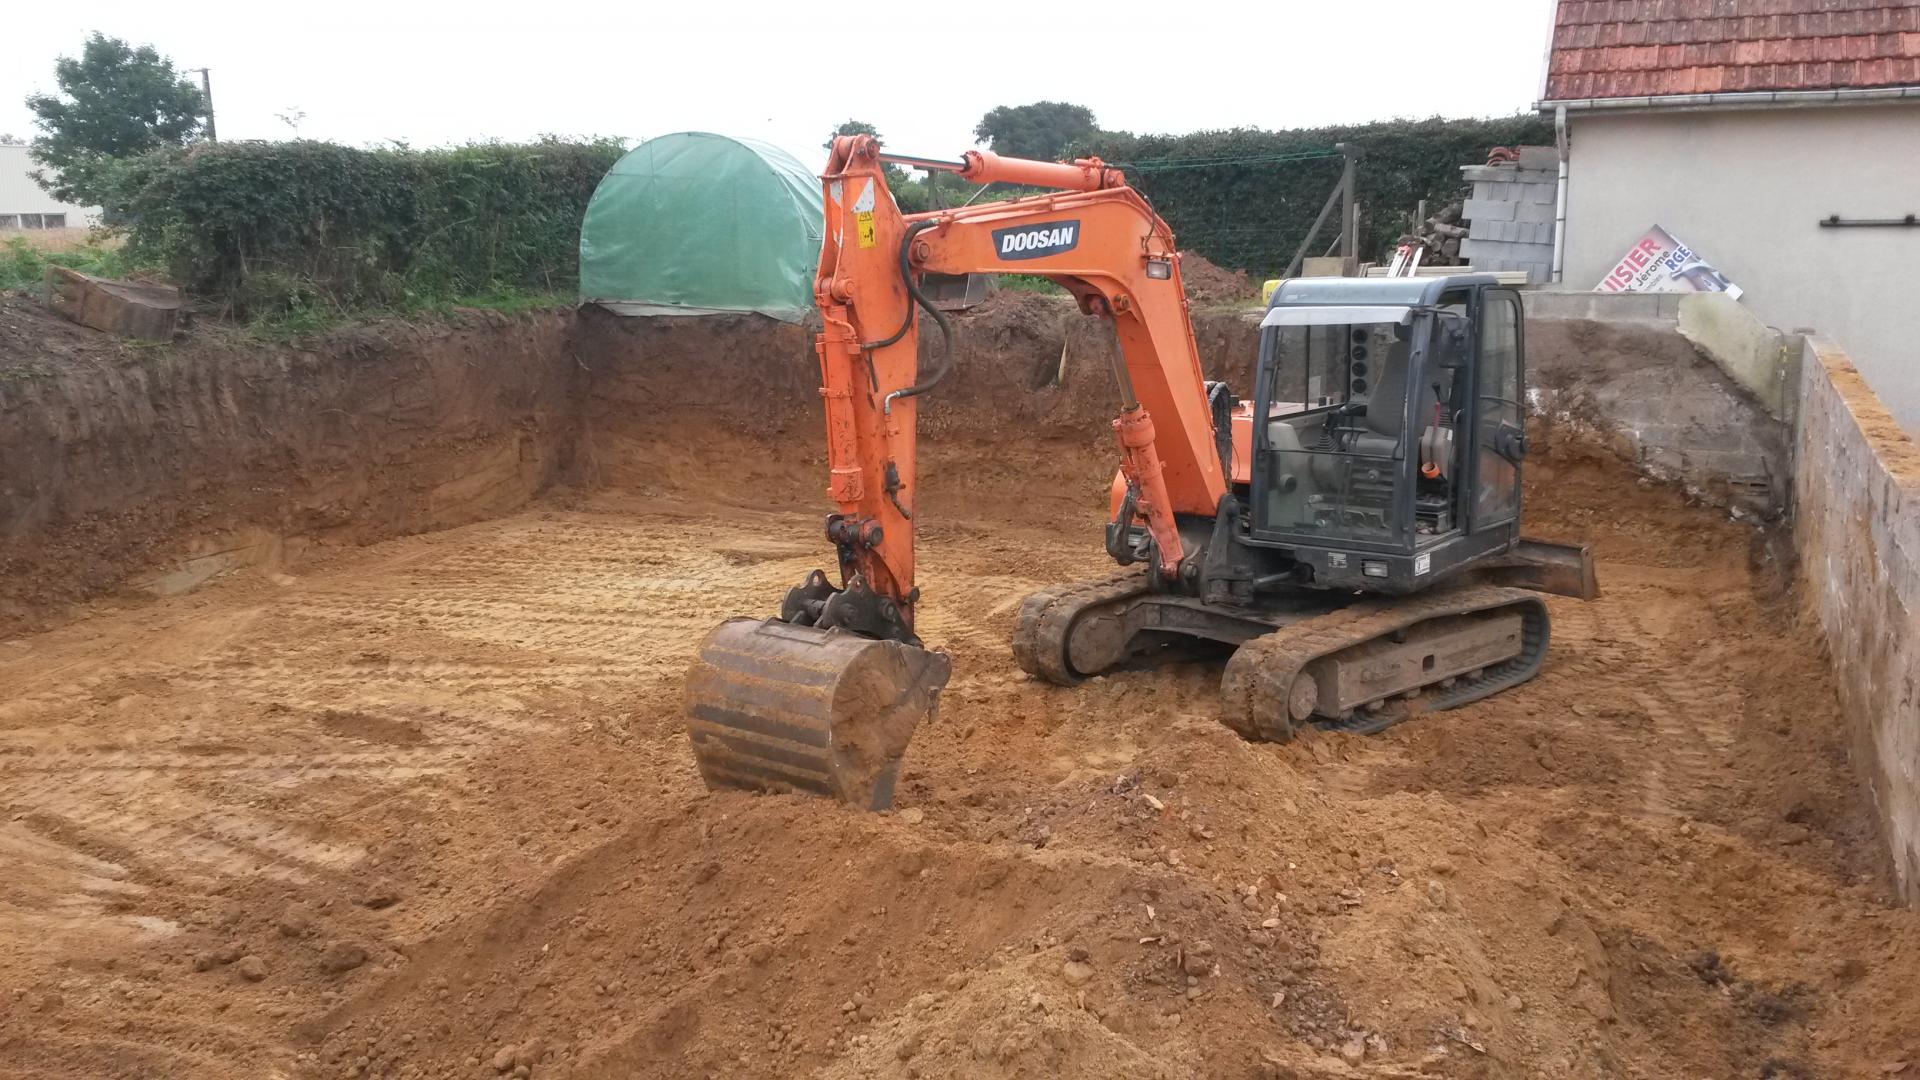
point(1360, 475)
point(1386, 405)
point(1381, 429)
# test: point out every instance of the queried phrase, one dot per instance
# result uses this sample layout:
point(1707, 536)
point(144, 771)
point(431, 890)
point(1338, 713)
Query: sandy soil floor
point(426, 809)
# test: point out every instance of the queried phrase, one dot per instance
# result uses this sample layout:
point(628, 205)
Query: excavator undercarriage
point(1336, 661)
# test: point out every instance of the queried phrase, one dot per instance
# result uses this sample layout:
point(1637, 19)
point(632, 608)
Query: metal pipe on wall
point(1560, 141)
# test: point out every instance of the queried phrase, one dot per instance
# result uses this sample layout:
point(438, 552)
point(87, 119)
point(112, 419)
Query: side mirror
point(1454, 341)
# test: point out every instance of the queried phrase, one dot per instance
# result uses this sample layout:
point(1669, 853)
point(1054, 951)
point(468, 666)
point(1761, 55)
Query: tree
point(115, 102)
point(912, 196)
point(1043, 130)
point(8, 138)
point(852, 127)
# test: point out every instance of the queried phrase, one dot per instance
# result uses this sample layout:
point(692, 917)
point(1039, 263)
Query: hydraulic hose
point(939, 317)
point(906, 274)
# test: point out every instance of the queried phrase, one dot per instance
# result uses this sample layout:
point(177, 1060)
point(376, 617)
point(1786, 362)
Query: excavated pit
point(370, 800)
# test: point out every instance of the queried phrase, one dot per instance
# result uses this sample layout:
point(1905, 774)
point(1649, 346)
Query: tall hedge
point(1245, 198)
point(266, 225)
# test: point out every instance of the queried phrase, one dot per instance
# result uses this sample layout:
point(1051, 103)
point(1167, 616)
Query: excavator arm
point(1096, 237)
point(824, 698)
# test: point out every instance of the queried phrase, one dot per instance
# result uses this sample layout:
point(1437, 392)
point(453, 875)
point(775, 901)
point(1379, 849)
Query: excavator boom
point(1097, 237)
point(822, 698)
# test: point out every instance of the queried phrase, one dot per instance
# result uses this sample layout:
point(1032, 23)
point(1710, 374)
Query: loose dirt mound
point(1214, 285)
point(427, 809)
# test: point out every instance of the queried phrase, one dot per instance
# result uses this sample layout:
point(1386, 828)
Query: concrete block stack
point(1510, 214)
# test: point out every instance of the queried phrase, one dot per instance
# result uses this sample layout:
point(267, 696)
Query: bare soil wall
point(161, 467)
point(1643, 391)
point(135, 471)
point(148, 470)
point(157, 467)
point(1857, 532)
point(1025, 409)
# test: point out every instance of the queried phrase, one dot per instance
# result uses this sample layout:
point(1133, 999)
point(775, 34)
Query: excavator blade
point(774, 706)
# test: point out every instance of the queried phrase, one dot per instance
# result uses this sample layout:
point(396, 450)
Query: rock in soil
point(342, 956)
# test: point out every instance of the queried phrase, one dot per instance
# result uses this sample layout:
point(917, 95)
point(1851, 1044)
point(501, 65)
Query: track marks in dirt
point(1634, 710)
point(1646, 644)
point(354, 685)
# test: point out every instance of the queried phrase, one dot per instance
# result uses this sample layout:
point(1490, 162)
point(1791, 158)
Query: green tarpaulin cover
point(698, 224)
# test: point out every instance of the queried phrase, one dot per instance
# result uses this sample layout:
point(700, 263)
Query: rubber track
point(1047, 618)
point(1254, 687)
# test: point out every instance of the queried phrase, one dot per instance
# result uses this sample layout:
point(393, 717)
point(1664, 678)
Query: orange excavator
point(1351, 533)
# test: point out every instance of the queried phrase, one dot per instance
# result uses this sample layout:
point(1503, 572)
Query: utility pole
point(206, 91)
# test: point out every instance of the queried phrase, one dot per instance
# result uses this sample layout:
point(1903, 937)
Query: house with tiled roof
point(1778, 139)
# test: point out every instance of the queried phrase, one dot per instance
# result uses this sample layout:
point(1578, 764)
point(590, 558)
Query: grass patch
point(23, 264)
point(298, 311)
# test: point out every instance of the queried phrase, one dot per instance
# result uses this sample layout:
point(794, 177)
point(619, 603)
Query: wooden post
point(1342, 194)
point(1349, 213)
point(1299, 255)
point(206, 91)
point(1352, 267)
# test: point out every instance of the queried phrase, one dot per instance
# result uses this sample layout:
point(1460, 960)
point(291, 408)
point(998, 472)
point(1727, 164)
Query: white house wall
point(1747, 190)
point(20, 195)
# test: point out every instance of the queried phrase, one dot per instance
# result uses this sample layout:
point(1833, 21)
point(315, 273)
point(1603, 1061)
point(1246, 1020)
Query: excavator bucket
point(774, 706)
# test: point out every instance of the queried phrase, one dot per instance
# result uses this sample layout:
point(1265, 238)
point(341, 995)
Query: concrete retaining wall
point(1856, 530)
point(1747, 189)
point(1614, 307)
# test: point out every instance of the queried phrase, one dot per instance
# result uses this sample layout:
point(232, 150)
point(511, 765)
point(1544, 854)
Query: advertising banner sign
point(1660, 263)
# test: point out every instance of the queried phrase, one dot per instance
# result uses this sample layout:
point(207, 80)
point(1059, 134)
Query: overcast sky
point(431, 73)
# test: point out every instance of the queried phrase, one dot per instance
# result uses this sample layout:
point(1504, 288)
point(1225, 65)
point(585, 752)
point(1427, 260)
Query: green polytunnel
point(700, 224)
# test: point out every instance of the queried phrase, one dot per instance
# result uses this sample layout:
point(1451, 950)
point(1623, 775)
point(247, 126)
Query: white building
point(25, 205)
point(1779, 139)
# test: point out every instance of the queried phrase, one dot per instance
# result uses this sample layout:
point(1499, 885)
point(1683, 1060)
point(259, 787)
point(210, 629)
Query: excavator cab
point(1389, 450)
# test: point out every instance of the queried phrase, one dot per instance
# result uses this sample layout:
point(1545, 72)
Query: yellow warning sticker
point(864, 220)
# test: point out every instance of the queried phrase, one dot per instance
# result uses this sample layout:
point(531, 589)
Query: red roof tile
point(1652, 48)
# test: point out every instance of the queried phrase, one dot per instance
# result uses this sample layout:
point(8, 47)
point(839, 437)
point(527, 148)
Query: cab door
point(1500, 432)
